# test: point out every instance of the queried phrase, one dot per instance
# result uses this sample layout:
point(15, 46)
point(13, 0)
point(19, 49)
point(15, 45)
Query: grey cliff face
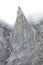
point(5, 49)
point(23, 44)
point(27, 42)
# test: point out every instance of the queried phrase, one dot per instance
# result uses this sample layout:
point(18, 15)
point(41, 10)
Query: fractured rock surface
point(26, 43)
point(5, 49)
point(22, 44)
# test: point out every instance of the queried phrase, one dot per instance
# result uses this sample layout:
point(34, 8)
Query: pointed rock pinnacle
point(22, 37)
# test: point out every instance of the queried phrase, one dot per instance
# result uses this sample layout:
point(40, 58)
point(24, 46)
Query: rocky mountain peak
point(19, 11)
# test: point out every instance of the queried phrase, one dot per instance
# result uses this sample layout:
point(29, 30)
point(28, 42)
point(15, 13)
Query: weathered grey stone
point(5, 49)
point(23, 44)
point(23, 39)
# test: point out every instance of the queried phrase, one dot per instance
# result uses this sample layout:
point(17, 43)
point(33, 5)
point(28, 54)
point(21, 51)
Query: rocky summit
point(23, 43)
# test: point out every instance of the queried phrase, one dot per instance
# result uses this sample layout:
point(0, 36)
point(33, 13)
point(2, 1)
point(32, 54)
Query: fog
point(32, 9)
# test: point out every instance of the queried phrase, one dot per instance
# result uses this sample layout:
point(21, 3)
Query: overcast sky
point(8, 9)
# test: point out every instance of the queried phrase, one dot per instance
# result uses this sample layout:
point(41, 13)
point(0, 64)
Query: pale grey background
point(33, 9)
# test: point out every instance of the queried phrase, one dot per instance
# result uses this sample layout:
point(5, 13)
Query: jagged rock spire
point(19, 12)
point(21, 26)
point(22, 37)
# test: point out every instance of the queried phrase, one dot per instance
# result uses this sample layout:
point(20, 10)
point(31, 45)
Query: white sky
point(8, 9)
